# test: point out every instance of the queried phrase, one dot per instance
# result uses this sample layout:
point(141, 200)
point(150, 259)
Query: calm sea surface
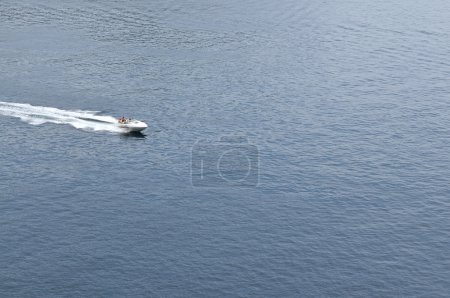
point(346, 109)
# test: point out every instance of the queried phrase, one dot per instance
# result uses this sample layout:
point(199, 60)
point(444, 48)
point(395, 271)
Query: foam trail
point(36, 115)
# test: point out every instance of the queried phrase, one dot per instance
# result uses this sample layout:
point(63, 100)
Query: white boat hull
point(133, 126)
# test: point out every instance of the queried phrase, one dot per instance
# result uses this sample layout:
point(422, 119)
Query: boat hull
point(133, 126)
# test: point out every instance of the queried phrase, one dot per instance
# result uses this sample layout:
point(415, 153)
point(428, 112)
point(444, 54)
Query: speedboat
point(131, 125)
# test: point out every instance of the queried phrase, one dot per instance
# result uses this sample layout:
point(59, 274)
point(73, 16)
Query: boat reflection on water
point(133, 134)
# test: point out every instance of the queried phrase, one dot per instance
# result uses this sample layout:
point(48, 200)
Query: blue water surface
point(346, 102)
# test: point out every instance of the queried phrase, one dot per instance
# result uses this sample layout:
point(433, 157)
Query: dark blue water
point(345, 108)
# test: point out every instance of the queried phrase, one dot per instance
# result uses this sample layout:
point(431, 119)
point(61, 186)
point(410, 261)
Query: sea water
point(294, 149)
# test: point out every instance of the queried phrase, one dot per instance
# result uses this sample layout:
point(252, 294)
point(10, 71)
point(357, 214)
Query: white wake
point(36, 115)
